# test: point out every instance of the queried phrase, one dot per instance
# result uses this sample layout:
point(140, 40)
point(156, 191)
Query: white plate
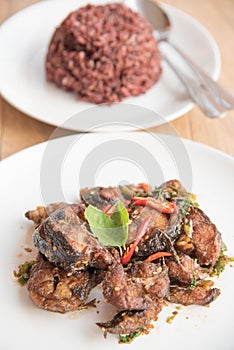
point(24, 40)
point(26, 177)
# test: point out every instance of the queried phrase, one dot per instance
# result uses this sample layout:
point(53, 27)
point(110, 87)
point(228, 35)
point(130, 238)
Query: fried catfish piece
point(39, 214)
point(174, 184)
point(199, 295)
point(205, 238)
point(104, 197)
point(101, 197)
point(65, 241)
point(161, 234)
point(55, 289)
point(152, 277)
point(185, 272)
point(152, 240)
point(131, 289)
point(121, 292)
point(130, 321)
point(158, 223)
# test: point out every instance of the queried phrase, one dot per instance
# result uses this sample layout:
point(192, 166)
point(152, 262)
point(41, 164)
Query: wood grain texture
point(18, 131)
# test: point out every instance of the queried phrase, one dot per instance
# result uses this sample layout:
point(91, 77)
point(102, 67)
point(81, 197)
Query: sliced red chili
point(139, 202)
point(161, 206)
point(157, 256)
point(140, 233)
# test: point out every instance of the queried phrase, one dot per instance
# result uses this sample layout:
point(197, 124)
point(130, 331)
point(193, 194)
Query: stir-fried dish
point(145, 246)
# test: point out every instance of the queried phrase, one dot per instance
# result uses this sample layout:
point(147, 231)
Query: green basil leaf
point(112, 230)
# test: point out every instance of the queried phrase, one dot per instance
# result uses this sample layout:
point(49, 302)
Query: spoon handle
point(199, 94)
point(219, 93)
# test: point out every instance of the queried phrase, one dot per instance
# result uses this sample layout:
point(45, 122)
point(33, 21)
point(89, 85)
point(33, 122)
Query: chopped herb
point(184, 206)
point(142, 194)
point(183, 194)
point(111, 230)
point(172, 192)
point(23, 273)
point(193, 283)
point(220, 264)
point(160, 194)
point(128, 338)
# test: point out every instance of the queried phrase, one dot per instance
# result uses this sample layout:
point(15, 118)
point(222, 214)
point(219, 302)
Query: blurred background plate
point(24, 40)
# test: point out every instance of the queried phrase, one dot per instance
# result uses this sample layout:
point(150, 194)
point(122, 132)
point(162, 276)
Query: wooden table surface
point(18, 130)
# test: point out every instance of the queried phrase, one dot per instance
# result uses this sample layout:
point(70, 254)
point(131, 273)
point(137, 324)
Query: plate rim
point(118, 134)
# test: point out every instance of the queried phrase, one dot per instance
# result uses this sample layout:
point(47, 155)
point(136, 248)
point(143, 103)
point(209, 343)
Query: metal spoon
point(211, 97)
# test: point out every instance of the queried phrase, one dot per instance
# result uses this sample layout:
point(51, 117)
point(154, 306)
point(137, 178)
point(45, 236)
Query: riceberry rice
point(104, 54)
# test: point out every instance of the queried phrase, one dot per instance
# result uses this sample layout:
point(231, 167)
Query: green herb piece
point(23, 273)
point(160, 194)
point(111, 230)
point(184, 200)
point(127, 193)
point(171, 192)
point(193, 283)
point(128, 338)
point(183, 206)
point(220, 264)
point(142, 194)
point(224, 247)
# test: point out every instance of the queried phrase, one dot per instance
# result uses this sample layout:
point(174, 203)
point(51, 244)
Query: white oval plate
point(24, 40)
point(23, 325)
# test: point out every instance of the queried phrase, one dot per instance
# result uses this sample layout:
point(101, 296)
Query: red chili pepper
point(140, 233)
point(161, 206)
point(157, 256)
point(139, 202)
